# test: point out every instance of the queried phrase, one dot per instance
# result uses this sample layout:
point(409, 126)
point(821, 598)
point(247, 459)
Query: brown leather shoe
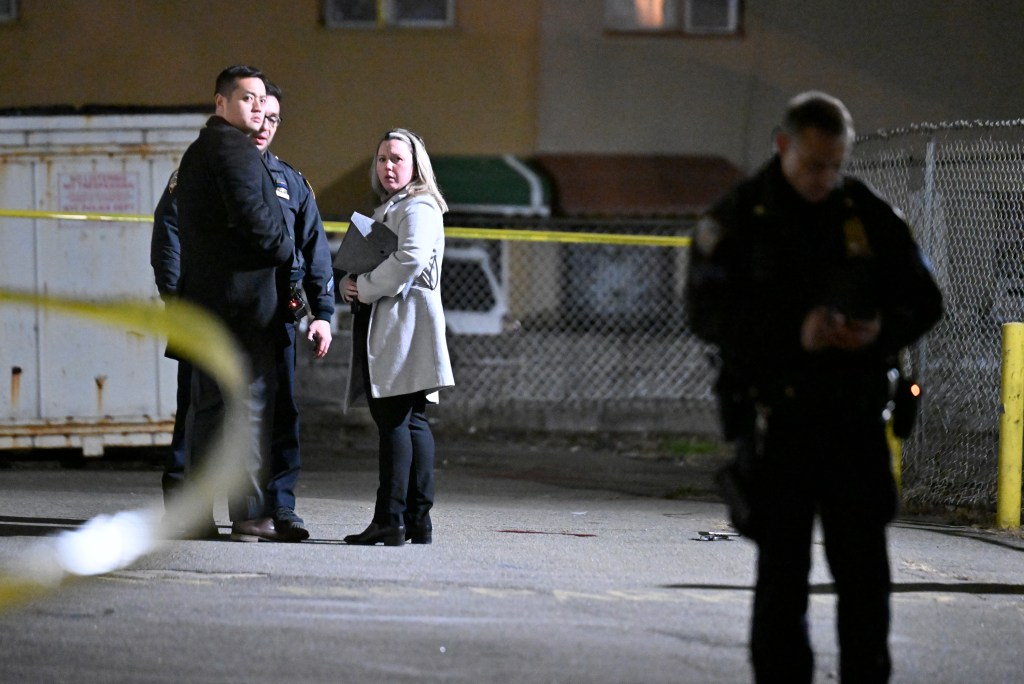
point(255, 530)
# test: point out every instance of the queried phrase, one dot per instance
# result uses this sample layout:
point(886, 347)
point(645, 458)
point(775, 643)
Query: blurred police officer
point(809, 285)
point(311, 282)
point(165, 258)
point(236, 257)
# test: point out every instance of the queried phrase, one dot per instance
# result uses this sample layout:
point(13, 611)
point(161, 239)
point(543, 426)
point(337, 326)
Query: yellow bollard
point(1011, 427)
point(896, 450)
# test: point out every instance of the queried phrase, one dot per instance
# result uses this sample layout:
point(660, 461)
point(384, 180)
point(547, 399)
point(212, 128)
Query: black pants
point(843, 474)
point(175, 465)
point(405, 493)
point(285, 462)
point(248, 501)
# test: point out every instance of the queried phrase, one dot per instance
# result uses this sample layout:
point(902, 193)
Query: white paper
point(364, 224)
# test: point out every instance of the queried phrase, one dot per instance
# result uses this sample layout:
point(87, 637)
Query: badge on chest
point(281, 187)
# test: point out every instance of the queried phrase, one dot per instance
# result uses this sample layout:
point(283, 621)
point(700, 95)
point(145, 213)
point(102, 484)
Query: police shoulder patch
point(172, 182)
point(707, 235)
point(299, 174)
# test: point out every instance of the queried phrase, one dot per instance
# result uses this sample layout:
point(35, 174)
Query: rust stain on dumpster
point(15, 385)
point(100, 381)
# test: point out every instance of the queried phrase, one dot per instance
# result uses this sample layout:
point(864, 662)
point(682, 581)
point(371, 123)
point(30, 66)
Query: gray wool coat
point(406, 344)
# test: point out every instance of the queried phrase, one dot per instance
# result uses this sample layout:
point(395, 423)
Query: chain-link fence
point(961, 186)
point(591, 336)
point(581, 336)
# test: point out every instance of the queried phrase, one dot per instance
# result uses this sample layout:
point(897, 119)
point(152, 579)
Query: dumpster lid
point(497, 184)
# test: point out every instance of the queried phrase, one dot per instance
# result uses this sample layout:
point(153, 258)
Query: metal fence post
point(1011, 427)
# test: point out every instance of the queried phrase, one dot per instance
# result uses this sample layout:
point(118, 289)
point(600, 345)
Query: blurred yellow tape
point(76, 216)
point(340, 227)
point(108, 543)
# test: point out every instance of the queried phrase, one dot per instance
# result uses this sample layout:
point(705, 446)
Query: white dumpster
point(73, 383)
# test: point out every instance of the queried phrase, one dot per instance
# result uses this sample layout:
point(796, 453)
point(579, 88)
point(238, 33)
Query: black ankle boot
point(376, 534)
point(419, 535)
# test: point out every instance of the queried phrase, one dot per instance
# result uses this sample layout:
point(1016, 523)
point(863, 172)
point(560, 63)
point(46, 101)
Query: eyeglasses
point(273, 121)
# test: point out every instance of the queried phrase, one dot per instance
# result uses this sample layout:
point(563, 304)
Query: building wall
point(470, 89)
point(892, 63)
point(522, 76)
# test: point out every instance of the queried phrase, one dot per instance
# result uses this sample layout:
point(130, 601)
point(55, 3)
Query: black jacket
point(165, 246)
point(763, 258)
point(235, 251)
point(312, 265)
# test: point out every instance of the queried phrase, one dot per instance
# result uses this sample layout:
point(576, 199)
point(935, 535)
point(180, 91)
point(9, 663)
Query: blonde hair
point(423, 180)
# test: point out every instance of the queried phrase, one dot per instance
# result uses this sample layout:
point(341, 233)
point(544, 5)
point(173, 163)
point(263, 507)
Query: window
point(686, 17)
point(8, 10)
point(381, 13)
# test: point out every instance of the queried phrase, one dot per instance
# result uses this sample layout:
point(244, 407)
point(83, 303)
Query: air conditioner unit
point(711, 17)
point(8, 10)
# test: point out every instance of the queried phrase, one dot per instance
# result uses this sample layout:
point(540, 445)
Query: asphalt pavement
point(555, 559)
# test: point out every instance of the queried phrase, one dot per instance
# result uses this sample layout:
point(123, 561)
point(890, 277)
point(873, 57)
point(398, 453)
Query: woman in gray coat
point(399, 354)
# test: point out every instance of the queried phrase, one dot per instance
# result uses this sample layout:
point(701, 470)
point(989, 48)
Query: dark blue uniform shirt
point(312, 264)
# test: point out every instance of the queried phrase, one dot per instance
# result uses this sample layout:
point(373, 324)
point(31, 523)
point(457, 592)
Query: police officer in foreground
point(809, 285)
point(312, 292)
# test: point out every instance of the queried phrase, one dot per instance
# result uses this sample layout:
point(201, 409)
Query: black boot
point(418, 528)
point(419, 535)
point(376, 534)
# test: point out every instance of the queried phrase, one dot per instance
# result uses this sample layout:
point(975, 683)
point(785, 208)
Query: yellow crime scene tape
point(340, 227)
point(108, 543)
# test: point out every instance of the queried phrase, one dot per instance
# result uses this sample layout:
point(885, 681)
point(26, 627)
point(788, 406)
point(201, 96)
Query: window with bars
point(681, 17)
point(389, 13)
point(8, 10)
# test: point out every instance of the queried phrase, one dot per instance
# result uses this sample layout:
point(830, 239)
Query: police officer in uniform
point(809, 285)
point(311, 284)
point(312, 287)
point(165, 258)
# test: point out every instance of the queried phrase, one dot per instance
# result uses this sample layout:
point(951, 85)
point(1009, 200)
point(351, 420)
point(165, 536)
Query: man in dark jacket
point(312, 270)
point(809, 284)
point(236, 259)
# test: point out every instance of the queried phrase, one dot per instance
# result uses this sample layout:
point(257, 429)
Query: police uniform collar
point(785, 193)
